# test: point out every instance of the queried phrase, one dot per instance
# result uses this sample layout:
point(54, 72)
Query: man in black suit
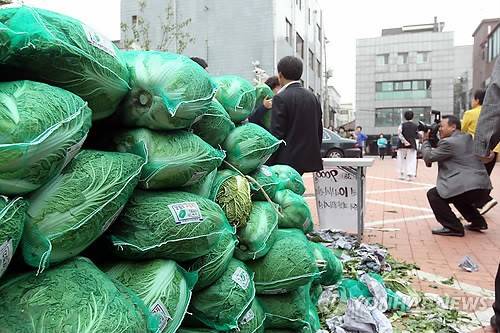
point(296, 119)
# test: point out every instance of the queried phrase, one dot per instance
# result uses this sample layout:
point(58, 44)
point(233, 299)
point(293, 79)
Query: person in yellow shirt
point(469, 124)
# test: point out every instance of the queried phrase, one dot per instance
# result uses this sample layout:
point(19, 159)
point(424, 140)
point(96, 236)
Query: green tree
point(174, 35)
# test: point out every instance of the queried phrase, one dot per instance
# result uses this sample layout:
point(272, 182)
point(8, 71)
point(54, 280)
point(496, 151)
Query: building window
point(383, 59)
point(402, 58)
point(392, 117)
point(422, 57)
point(318, 64)
point(309, 16)
point(311, 59)
point(134, 19)
point(493, 45)
point(318, 28)
point(299, 46)
point(391, 90)
point(288, 31)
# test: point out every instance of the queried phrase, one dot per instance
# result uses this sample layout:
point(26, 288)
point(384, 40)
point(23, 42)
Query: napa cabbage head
point(163, 286)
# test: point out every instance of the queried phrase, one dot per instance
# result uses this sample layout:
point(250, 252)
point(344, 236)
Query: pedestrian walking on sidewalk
point(361, 139)
point(382, 146)
point(486, 138)
point(469, 125)
point(407, 148)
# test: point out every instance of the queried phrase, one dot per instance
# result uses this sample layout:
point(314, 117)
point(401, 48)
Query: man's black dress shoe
point(447, 232)
point(473, 227)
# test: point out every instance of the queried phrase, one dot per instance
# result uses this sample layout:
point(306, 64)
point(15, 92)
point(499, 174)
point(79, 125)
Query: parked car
point(334, 145)
point(394, 147)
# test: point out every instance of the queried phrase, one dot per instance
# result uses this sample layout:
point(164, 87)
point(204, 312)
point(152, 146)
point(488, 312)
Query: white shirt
point(286, 86)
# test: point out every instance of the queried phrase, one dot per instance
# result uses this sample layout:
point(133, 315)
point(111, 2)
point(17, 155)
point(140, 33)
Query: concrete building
point(329, 114)
point(486, 50)
point(462, 79)
point(406, 68)
point(232, 35)
point(345, 114)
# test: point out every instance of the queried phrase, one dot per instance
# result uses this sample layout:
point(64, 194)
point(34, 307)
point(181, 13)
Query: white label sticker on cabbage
point(186, 212)
point(241, 277)
point(97, 40)
point(160, 310)
point(5, 255)
point(196, 177)
point(249, 316)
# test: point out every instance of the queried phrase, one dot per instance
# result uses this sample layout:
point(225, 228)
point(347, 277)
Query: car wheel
point(335, 153)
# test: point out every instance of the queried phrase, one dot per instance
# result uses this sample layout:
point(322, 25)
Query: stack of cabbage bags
point(138, 197)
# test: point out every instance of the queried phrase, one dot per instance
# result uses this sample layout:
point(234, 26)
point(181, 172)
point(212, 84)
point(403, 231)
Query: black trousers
point(381, 152)
point(465, 203)
point(496, 305)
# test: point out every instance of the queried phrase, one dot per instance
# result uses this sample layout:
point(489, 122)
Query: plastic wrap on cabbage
point(171, 225)
point(249, 146)
point(75, 208)
point(215, 125)
point(232, 192)
point(168, 91)
point(41, 129)
point(236, 95)
point(294, 210)
point(273, 276)
point(221, 305)
point(204, 186)
point(267, 180)
point(259, 234)
point(12, 218)
point(72, 297)
point(262, 91)
point(289, 178)
point(289, 310)
point(164, 287)
point(173, 159)
point(329, 265)
point(64, 52)
point(212, 265)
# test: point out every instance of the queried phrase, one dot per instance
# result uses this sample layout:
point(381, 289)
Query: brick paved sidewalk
point(399, 217)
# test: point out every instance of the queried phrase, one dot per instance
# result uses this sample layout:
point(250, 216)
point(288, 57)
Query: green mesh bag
point(267, 180)
point(289, 178)
point(263, 91)
point(315, 292)
point(212, 265)
point(249, 146)
point(236, 95)
point(41, 129)
point(215, 125)
point(72, 297)
point(62, 51)
point(288, 265)
point(289, 310)
point(164, 287)
point(221, 305)
point(174, 159)
point(12, 218)
point(71, 211)
point(295, 211)
point(204, 186)
point(196, 330)
point(329, 265)
point(257, 237)
point(171, 225)
point(169, 91)
point(253, 320)
point(232, 192)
